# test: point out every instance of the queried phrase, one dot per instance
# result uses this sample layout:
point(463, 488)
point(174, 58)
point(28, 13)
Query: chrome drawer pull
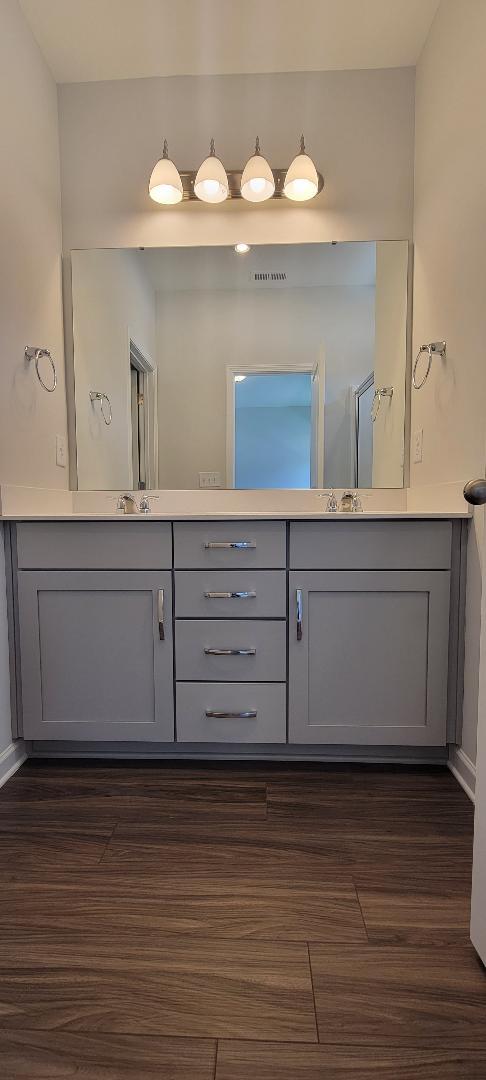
point(230, 652)
point(235, 545)
point(160, 614)
point(249, 715)
point(298, 599)
point(230, 595)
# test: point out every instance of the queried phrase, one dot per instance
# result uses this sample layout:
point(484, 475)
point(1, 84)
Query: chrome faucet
point(126, 504)
point(350, 503)
point(145, 503)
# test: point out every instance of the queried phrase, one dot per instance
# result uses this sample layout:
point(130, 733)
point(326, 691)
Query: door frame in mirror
point(317, 372)
point(146, 365)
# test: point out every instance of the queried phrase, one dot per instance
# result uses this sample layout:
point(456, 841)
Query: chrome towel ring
point(435, 348)
point(384, 391)
point(31, 352)
point(106, 411)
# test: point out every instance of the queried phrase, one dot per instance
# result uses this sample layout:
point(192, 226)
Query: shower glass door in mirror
point(282, 368)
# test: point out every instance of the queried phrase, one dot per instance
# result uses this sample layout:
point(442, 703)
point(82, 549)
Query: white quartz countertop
point(244, 515)
point(444, 501)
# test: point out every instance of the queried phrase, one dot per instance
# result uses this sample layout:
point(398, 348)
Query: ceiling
point(86, 40)
point(305, 266)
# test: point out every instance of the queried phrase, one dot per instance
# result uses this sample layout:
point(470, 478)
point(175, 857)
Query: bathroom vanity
point(273, 627)
point(239, 635)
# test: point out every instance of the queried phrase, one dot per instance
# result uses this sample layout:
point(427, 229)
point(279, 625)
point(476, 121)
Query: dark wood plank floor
point(219, 922)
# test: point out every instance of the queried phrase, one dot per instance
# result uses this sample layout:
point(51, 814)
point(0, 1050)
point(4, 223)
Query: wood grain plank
point(33, 845)
point(59, 1055)
point(399, 996)
point(430, 861)
point(398, 913)
point(137, 793)
point(98, 901)
point(366, 814)
point(147, 984)
point(270, 1061)
point(257, 851)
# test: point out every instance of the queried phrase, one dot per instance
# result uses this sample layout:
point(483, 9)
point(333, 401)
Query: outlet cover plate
point(209, 479)
point(418, 445)
point(61, 451)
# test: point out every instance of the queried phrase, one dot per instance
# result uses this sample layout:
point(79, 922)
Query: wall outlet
point(61, 451)
point(209, 479)
point(418, 445)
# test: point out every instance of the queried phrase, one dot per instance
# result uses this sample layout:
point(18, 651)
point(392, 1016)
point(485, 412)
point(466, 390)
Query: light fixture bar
point(234, 184)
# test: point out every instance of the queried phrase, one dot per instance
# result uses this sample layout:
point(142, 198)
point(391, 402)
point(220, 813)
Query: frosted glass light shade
point(211, 183)
point(165, 184)
point(301, 182)
point(257, 182)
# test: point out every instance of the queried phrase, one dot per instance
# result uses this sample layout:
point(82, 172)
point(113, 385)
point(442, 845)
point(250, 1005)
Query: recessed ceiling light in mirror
point(242, 249)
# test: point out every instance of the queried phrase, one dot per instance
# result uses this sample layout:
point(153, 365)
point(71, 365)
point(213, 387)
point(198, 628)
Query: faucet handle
point(145, 503)
point(357, 505)
point(332, 503)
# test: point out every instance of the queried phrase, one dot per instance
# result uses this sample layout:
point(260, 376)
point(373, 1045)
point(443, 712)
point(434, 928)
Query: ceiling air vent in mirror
point(267, 277)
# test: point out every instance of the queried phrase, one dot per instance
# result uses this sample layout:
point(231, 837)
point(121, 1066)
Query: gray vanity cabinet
point(96, 655)
point(368, 657)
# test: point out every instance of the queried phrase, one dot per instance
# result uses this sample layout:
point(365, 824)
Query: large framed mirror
point(283, 367)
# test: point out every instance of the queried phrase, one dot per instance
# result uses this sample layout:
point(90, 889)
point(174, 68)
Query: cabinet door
point(368, 657)
point(96, 655)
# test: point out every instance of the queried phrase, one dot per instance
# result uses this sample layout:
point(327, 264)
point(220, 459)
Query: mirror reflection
point(280, 367)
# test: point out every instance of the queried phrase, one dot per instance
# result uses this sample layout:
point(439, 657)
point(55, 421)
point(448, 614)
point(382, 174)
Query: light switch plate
point(61, 451)
point(418, 445)
point(209, 479)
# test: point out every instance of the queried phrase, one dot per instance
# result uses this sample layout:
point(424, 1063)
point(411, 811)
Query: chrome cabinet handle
point(230, 652)
point(249, 595)
point(160, 614)
point(235, 545)
point(298, 598)
point(249, 714)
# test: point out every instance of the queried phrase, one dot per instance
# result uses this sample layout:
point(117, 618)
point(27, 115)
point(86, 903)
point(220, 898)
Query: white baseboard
point(463, 769)
point(11, 759)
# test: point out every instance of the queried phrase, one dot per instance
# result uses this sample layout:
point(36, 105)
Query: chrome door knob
point(475, 492)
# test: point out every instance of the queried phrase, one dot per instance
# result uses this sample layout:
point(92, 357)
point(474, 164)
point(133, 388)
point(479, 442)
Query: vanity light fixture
point(211, 183)
point(301, 181)
point(242, 249)
point(165, 185)
point(257, 181)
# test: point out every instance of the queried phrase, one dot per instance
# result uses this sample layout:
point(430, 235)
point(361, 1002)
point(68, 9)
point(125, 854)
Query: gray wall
point(358, 126)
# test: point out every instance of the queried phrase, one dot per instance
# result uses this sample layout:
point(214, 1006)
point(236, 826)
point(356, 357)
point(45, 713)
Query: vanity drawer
point(229, 544)
point(249, 713)
point(94, 545)
point(245, 650)
point(244, 594)
point(370, 545)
